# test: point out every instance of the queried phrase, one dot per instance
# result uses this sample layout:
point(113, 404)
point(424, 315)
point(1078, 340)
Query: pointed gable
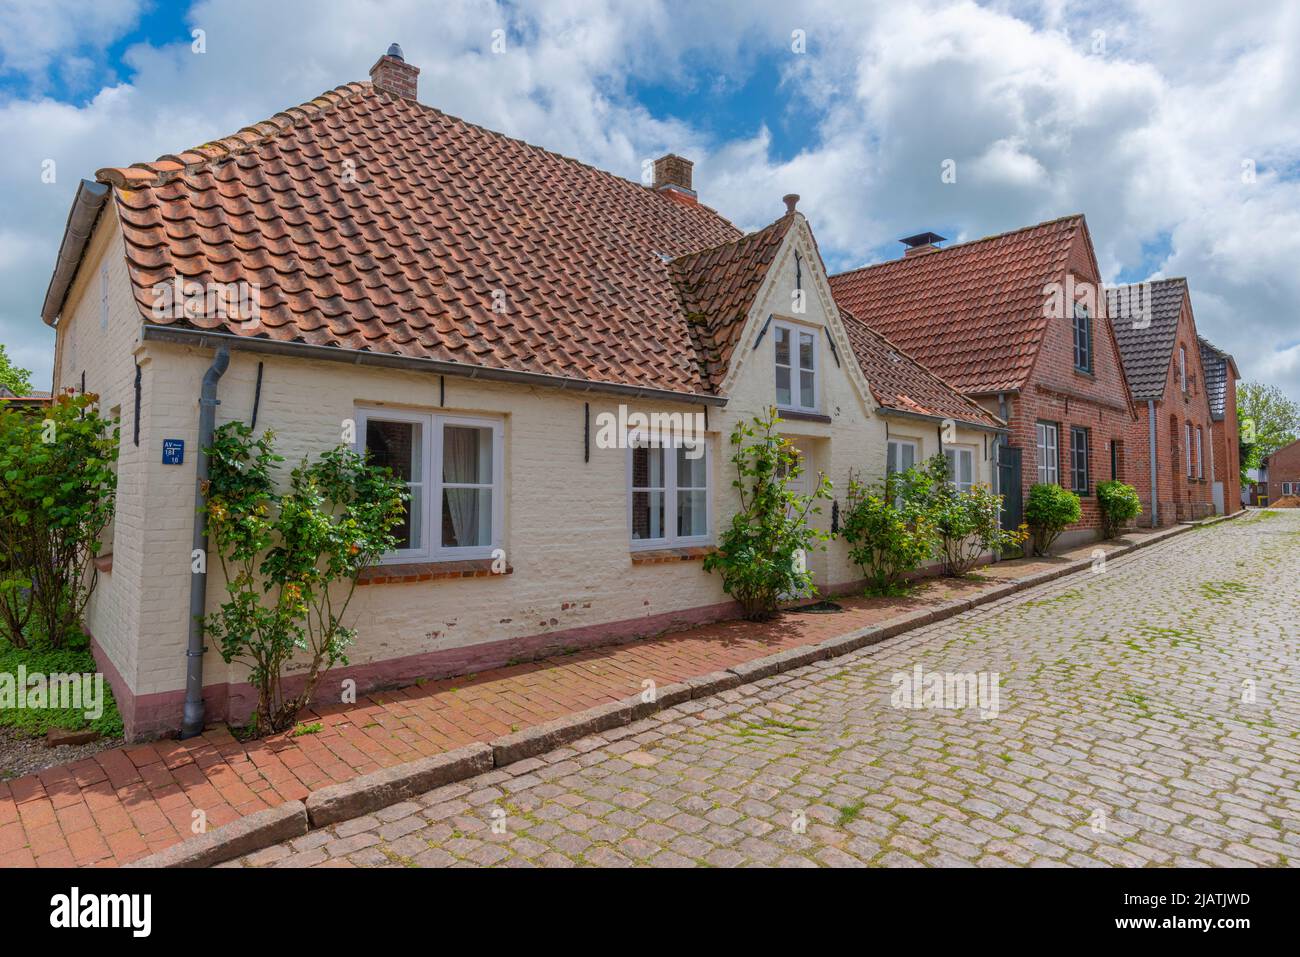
point(717, 288)
point(1147, 349)
point(1217, 365)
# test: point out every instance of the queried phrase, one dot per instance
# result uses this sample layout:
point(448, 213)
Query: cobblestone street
point(1148, 713)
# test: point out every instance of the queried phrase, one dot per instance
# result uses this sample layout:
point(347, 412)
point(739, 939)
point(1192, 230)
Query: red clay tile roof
point(971, 313)
point(405, 259)
point(718, 286)
point(901, 383)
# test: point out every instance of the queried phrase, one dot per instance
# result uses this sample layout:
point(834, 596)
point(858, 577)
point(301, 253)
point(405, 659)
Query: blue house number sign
point(173, 451)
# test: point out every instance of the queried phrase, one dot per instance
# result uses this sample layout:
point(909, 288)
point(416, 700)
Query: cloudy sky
point(1174, 126)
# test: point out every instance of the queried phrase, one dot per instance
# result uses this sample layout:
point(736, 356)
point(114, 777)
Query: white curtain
point(460, 451)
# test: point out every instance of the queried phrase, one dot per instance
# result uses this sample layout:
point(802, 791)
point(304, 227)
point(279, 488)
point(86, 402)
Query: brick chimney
point(392, 74)
point(921, 243)
point(672, 174)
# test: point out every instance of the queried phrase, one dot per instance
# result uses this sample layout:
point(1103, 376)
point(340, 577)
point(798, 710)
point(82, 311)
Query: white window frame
point(431, 486)
point(955, 466)
point(1187, 429)
point(1182, 366)
point(1200, 462)
point(794, 330)
point(910, 443)
point(671, 489)
point(1049, 468)
point(1286, 488)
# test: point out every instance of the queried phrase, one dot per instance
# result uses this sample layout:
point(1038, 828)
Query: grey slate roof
point(1215, 363)
point(1146, 352)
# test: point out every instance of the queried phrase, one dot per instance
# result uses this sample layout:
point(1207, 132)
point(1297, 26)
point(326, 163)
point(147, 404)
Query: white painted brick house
point(472, 301)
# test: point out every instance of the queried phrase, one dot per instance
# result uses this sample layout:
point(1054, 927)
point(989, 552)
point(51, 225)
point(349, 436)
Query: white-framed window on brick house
point(453, 468)
point(961, 466)
point(1200, 462)
point(1048, 451)
point(796, 367)
point(1286, 488)
point(668, 493)
point(1187, 447)
point(1182, 367)
point(1079, 460)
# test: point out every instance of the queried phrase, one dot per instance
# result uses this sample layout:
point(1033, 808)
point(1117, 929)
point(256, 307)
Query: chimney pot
point(392, 74)
point(791, 200)
point(673, 173)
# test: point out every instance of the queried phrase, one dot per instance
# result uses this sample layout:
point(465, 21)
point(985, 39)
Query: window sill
point(104, 563)
point(1086, 373)
point(430, 572)
point(662, 556)
point(794, 415)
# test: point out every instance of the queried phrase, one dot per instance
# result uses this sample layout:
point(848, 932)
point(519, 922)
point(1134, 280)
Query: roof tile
point(972, 313)
point(1147, 349)
point(371, 222)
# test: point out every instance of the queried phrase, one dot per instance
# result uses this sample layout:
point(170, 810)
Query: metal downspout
point(1151, 430)
point(192, 723)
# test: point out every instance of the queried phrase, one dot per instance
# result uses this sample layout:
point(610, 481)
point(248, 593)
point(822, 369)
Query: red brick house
point(1171, 444)
point(1017, 323)
point(1284, 472)
point(1221, 377)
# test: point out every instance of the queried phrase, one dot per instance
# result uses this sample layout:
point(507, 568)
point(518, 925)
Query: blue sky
point(1138, 113)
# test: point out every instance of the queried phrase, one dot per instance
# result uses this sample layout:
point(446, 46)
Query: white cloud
point(1146, 138)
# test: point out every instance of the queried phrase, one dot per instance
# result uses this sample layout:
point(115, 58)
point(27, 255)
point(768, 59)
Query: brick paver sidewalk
point(123, 804)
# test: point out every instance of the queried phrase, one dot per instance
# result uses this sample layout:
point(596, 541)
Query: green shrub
point(56, 498)
point(967, 522)
point(1050, 508)
point(1119, 504)
point(759, 554)
point(888, 530)
point(304, 548)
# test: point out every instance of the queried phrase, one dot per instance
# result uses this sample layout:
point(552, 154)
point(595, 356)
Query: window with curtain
point(1187, 446)
point(1200, 463)
point(453, 471)
point(796, 367)
point(399, 445)
point(668, 485)
point(900, 456)
point(961, 467)
point(1048, 453)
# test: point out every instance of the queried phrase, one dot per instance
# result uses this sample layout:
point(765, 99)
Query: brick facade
point(1284, 466)
point(1060, 394)
point(1181, 416)
point(1227, 443)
